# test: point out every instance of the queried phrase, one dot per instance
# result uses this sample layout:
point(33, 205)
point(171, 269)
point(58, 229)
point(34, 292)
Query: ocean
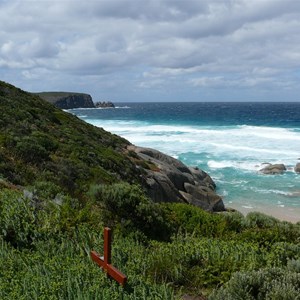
point(230, 141)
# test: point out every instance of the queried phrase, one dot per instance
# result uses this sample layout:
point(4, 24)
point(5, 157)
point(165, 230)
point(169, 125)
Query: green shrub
point(64, 214)
point(128, 206)
point(195, 220)
point(31, 151)
point(281, 253)
point(235, 221)
point(17, 219)
point(260, 220)
point(272, 284)
point(201, 262)
point(294, 265)
point(46, 189)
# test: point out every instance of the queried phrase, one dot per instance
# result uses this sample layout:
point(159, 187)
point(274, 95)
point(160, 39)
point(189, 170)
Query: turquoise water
point(230, 141)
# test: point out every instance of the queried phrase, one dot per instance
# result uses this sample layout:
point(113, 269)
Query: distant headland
point(70, 100)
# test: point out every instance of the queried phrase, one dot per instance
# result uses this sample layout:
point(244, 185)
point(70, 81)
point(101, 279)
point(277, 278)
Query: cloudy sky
point(154, 50)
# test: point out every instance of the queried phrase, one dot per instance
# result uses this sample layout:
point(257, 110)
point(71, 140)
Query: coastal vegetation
point(62, 181)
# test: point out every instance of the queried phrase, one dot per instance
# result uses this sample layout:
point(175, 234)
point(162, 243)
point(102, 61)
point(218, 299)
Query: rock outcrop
point(104, 104)
point(169, 180)
point(273, 169)
point(66, 100)
point(297, 168)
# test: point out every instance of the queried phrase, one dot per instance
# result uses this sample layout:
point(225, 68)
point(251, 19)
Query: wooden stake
point(105, 261)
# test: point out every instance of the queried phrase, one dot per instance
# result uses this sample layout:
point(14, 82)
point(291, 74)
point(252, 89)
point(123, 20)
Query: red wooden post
point(107, 245)
point(105, 262)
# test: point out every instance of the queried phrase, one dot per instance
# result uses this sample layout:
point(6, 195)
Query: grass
point(45, 253)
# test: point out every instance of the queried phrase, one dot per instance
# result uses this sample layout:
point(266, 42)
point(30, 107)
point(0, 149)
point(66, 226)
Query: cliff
point(65, 100)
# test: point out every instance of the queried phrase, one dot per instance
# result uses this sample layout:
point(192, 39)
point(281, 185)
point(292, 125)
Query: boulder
point(204, 197)
point(172, 181)
point(202, 177)
point(162, 158)
point(161, 189)
point(297, 168)
point(273, 169)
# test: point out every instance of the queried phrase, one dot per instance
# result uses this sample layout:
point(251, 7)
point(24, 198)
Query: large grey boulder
point(204, 197)
point(161, 189)
point(172, 181)
point(160, 158)
point(297, 168)
point(273, 169)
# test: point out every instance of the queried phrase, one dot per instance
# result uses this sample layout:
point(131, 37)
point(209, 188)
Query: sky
point(154, 50)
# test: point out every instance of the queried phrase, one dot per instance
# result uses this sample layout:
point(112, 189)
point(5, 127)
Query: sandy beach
point(282, 213)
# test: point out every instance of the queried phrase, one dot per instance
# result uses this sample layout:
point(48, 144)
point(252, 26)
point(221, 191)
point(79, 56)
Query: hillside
point(40, 144)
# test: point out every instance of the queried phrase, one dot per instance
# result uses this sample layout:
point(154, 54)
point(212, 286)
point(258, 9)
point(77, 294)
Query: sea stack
point(104, 104)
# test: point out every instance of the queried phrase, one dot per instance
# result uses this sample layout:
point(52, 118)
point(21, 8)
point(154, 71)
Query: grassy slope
point(41, 144)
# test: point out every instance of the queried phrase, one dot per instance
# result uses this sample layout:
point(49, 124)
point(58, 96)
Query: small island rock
point(297, 168)
point(104, 104)
point(273, 169)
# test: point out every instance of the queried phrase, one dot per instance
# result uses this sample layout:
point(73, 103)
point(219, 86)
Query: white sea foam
point(234, 143)
point(271, 191)
point(271, 132)
point(241, 141)
point(244, 165)
point(243, 147)
point(248, 206)
point(232, 155)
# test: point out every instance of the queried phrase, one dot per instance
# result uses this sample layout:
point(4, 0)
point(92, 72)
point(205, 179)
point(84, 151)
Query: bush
point(17, 219)
point(195, 220)
point(281, 253)
point(260, 220)
point(45, 189)
point(235, 221)
point(273, 283)
point(127, 205)
point(31, 151)
point(201, 262)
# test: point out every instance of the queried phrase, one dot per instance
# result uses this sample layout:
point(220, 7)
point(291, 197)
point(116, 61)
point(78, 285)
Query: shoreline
point(233, 162)
point(281, 213)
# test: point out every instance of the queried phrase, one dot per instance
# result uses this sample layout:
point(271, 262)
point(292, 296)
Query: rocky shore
point(169, 180)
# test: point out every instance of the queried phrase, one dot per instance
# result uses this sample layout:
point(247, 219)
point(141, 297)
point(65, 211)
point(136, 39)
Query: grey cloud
point(202, 44)
point(150, 10)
